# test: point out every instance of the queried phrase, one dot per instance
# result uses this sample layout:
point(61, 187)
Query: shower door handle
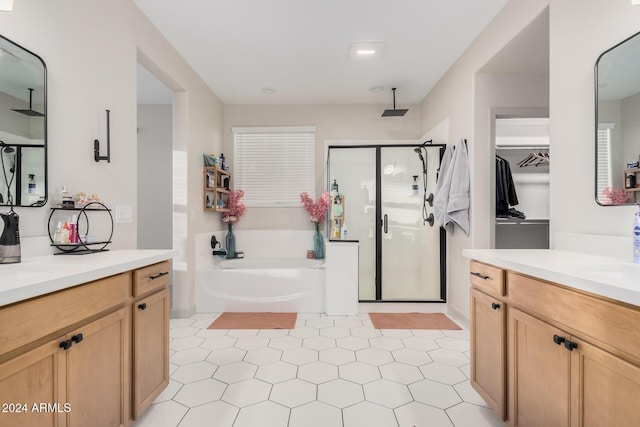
point(385, 224)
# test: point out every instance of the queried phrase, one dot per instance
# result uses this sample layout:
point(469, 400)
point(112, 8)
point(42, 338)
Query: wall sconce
point(96, 145)
point(6, 5)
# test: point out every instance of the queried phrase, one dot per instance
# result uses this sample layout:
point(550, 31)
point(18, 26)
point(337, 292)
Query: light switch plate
point(124, 214)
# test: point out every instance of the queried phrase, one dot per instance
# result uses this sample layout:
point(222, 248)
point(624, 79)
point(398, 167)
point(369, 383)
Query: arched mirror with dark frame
point(23, 126)
point(617, 130)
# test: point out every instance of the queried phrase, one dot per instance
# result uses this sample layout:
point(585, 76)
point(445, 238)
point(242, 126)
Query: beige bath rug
point(228, 320)
point(412, 321)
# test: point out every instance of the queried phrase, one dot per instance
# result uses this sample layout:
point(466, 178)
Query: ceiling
point(300, 49)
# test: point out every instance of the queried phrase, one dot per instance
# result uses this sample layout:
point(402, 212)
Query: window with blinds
point(274, 165)
point(603, 154)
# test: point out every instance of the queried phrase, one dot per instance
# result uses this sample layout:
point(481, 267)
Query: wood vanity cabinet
point(74, 376)
point(572, 358)
point(150, 335)
point(540, 368)
point(92, 355)
point(488, 336)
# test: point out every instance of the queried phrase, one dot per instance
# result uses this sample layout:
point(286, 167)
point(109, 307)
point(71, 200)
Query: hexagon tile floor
point(330, 371)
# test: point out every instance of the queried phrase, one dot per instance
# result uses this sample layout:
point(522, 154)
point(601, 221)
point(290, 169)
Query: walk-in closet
point(522, 183)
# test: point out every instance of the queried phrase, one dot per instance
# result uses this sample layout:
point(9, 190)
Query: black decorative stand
point(82, 248)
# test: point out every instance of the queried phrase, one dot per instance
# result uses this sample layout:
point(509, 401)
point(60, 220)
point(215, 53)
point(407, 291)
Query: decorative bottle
point(230, 242)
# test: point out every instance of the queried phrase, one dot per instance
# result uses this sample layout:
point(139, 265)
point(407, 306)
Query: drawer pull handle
point(495, 305)
point(155, 276)
point(142, 306)
point(66, 344)
point(558, 339)
point(570, 345)
point(482, 276)
point(77, 338)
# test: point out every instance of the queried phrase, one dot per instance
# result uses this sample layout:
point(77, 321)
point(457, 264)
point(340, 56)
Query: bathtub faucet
point(214, 243)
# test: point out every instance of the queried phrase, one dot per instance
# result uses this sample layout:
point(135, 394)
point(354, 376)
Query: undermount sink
point(625, 275)
point(14, 272)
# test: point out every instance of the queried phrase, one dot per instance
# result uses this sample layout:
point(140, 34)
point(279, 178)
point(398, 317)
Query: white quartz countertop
point(604, 276)
point(41, 275)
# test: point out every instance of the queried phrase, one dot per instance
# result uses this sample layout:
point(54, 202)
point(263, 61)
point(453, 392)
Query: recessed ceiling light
point(6, 5)
point(366, 50)
point(635, 2)
point(376, 89)
point(269, 90)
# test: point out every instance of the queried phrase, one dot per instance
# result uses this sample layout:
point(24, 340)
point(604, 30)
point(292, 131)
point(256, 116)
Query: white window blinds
point(274, 165)
point(603, 161)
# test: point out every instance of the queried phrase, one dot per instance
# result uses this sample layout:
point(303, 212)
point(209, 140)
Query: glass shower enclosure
point(386, 191)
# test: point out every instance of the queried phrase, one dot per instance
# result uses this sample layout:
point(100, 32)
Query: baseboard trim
point(459, 318)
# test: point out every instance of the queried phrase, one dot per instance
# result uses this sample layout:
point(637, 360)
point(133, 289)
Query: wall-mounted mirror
point(23, 126)
point(617, 85)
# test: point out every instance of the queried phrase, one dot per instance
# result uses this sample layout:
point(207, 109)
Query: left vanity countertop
point(38, 276)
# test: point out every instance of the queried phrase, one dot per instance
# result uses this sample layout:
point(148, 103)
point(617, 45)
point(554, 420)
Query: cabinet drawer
point(610, 323)
point(30, 320)
point(150, 278)
point(487, 278)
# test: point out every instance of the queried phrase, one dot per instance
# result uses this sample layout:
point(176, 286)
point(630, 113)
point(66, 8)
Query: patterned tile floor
point(328, 371)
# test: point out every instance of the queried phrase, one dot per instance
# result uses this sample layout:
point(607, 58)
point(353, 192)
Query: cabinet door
point(32, 379)
point(540, 372)
point(97, 371)
point(150, 349)
point(607, 388)
point(488, 347)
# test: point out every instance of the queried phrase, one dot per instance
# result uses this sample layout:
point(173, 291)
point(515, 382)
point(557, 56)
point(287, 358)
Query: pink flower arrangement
point(615, 196)
point(236, 207)
point(317, 210)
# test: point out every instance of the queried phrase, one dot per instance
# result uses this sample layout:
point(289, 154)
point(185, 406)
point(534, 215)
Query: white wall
point(91, 49)
point(332, 122)
point(585, 29)
point(465, 101)
point(155, 201)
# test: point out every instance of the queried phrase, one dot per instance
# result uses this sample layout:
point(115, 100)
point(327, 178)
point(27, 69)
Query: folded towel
point(451, 201)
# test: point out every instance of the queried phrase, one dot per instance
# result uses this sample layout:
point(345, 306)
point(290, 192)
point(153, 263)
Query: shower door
point(401, 253)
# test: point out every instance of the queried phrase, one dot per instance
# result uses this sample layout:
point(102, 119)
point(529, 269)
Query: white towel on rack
point(451, 201)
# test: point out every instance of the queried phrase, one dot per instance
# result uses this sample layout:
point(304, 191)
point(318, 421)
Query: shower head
point(395, 112)
point(6, 148)
point(30, 112)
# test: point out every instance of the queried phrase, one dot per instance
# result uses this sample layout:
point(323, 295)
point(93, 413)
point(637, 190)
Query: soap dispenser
point(414, 186)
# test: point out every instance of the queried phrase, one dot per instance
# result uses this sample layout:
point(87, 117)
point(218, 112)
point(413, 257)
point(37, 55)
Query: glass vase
point(318, 243)
point(230, 242)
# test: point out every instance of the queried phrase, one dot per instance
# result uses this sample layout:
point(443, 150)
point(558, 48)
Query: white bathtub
point(260, 284)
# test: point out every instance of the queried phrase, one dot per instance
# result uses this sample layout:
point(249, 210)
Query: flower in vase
point(317, 210)
point(615, 196)
point(236, 207)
